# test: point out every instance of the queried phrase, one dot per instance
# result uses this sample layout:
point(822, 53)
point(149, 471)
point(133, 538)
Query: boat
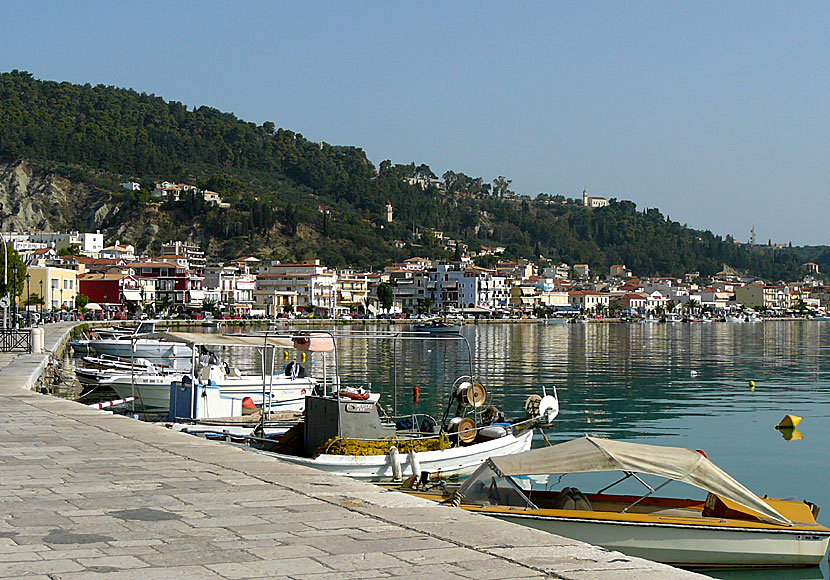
point(154, 389)
point(82, 345)
point(99, 370)
point(156, 351)
point(347, 432)
point(438, 327)
point(732, 527)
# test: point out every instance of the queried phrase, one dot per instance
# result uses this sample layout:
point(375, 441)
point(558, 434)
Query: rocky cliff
point(36, 198)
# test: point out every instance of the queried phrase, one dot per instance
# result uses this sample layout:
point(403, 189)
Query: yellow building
point(57, 286)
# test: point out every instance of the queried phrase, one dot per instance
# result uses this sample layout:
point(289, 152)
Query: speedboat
point(732, 527)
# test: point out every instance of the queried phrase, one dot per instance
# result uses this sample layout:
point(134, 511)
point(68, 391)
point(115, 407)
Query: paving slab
point(87, 494)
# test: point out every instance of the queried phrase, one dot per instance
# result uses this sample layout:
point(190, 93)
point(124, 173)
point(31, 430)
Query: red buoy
point(248, 403)
point(416, 394)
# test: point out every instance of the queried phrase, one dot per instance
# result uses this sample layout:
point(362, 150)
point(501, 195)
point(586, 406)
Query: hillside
point(87, 139)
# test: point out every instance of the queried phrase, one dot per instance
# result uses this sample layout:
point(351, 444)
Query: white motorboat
point(154, 391)
point(732, 527)
point(82, 345)
point(157, 351)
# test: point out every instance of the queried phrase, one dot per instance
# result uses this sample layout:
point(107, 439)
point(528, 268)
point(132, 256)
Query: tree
point(425, 305)
point(501, 186)
point(16, 285)
point(34, 300)
point(81, 300)
point(70, 250)
point(386, 296)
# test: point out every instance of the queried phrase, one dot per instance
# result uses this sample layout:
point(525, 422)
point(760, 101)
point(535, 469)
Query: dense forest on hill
point(277, 181)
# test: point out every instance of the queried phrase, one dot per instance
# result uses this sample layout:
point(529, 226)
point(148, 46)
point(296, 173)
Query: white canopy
point(214, 339)
point(312, 342)
point(93, 306)
point(132, 295)
point(590, 454)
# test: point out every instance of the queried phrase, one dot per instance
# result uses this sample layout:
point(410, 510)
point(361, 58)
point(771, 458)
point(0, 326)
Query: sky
point(714, 112)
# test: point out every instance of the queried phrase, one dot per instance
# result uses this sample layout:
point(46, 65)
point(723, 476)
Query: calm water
point(675, 384)
point(683, 385)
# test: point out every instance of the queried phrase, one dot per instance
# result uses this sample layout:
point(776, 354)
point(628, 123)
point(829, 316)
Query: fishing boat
point(347, 432)
point(732, 527)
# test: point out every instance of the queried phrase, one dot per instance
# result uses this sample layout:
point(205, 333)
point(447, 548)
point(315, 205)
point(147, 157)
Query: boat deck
point(86, 494)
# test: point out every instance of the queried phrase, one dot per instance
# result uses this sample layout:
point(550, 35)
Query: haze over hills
point(66, 148)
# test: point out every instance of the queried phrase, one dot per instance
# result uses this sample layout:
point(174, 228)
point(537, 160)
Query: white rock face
point(37, 199)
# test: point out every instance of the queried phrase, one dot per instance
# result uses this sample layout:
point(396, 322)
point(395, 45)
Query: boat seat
point(570, 498)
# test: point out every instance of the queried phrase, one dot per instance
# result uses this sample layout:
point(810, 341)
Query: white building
point(88, 244)
point(471, 288)
point(315, 285)
point(593, 202)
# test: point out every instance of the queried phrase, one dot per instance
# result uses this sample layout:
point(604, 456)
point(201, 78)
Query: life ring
point(354, 396)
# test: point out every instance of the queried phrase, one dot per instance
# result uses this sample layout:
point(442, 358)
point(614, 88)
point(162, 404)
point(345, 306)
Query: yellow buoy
point(789, 422)
point(751, 385)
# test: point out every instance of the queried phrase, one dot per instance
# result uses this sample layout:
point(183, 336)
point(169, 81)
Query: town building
point(313, 284)
point(57, 286)
point(588, 300)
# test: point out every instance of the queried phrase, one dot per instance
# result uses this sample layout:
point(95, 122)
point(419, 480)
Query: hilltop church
point(593, 201)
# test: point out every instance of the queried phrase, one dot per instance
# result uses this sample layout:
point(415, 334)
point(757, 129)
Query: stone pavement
point(87, 494)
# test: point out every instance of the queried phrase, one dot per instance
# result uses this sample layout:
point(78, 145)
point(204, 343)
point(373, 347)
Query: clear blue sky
point(714, 112)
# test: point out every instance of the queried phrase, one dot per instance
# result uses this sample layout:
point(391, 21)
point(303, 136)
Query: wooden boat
point(732, 527)
point(347, 436)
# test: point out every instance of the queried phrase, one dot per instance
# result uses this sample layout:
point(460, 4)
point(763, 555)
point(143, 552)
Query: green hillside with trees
point(277, 182)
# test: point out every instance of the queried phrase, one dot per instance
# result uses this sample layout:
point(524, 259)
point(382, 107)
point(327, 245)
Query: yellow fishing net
point(337, 446)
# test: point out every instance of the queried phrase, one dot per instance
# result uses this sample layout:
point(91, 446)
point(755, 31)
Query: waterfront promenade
point(86, 494)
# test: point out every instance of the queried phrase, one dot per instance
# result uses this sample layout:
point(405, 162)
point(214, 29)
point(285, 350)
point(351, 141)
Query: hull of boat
point(452, 329)
point(448, 462)
point(154, 392)
point(688, 545)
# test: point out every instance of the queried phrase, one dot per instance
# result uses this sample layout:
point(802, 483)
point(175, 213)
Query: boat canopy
point(215, 339)
point(590, 454)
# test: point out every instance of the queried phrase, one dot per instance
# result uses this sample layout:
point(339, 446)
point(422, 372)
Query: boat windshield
point(487, 487)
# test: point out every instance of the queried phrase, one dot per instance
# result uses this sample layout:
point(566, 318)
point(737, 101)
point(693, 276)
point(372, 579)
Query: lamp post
point(14, 294)
point(42, 300)
point(28, 296)
point(61, 306)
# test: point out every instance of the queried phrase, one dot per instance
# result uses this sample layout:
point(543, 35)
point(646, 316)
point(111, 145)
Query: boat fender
point(395, 462)
point(414, 464)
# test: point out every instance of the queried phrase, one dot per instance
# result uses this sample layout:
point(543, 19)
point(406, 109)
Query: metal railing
point(15, 340)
